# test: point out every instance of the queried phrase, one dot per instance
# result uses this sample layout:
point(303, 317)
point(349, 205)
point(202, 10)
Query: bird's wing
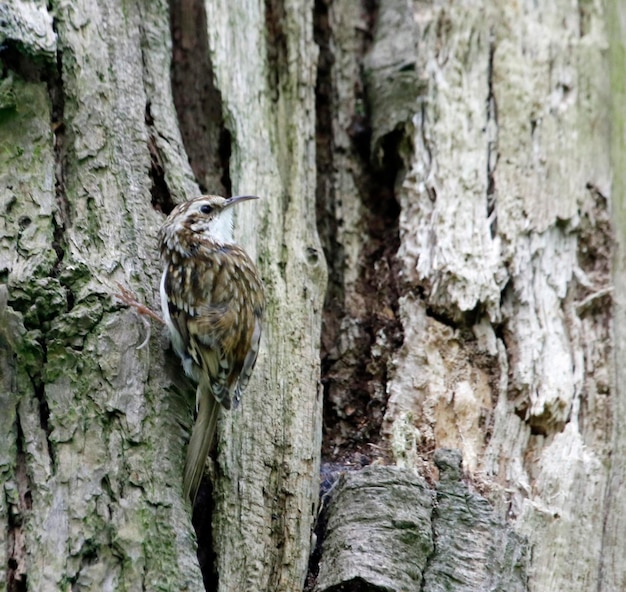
point(249, 360)
point(208, 345)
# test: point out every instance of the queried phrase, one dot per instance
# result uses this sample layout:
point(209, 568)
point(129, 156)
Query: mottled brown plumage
point(212, 300)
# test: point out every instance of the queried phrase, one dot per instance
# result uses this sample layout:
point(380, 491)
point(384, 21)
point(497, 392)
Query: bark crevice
point(492, 141)
point(202, 516)
point(17, 569)
point(62, 219)
point(276, 45)
point(197, 99)
point(160, 194)
point(354, 369)
point(44, 413)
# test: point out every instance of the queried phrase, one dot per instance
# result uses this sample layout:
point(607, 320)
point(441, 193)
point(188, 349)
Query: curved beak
point(237, 198)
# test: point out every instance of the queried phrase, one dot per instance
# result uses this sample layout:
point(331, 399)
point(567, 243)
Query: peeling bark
point(499, 116)
point(466, 159)
point(504, 359)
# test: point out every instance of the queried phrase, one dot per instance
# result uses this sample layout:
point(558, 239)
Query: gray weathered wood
point(505, 228)
point(268, 461)
point(475, 549)
point(378, 531)
point(95, 430)
point(386, 529)
point(503, 115)
point(508, 120)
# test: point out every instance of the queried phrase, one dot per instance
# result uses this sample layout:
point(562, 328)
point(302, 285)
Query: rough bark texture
point(385, 514)
point(93, 430)
point(612, 570)
point(386, 529)
point(505, 228)
point(475, 549)
point(268, 463)
point(499, 115)
point(92, 497)
point(92, 438)
point(468, 158)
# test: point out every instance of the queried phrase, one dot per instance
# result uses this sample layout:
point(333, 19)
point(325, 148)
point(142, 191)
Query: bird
point(212, 300)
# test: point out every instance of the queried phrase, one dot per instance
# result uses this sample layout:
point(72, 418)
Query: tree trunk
point(95, 429)
point(494, 122)
point(267, 486)
point(469, 188)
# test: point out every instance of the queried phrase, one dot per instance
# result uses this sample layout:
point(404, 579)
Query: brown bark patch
point(361, 328)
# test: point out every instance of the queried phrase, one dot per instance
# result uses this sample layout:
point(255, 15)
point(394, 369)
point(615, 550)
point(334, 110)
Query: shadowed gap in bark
point(16, 574)
point(354, 380)
point(198, 101)
point(61, 221)
point(207, 142)
point(159, 191)
point(492, 142)
point(276, 45)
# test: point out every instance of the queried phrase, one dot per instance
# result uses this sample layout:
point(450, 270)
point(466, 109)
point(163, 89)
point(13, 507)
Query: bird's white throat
point(221, 227)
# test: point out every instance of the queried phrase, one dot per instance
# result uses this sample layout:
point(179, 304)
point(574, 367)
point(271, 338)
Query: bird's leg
point(125, 296)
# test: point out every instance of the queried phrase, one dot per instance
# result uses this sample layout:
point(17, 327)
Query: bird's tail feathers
point(200, 442)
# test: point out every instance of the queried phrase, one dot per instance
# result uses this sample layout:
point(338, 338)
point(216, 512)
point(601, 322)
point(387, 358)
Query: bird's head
point(208, 215)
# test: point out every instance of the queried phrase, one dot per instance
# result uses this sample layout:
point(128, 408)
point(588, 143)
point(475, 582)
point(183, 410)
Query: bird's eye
point(206, 209)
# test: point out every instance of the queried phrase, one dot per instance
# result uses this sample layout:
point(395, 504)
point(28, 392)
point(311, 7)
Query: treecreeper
point(212, 300)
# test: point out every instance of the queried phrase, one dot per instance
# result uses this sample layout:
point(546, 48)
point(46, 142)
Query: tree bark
point(465, 160)
point(612, 571)
point(94, 433)
point(268, 465)
point(496, 118)
point(92, 495)
point(505, 224)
